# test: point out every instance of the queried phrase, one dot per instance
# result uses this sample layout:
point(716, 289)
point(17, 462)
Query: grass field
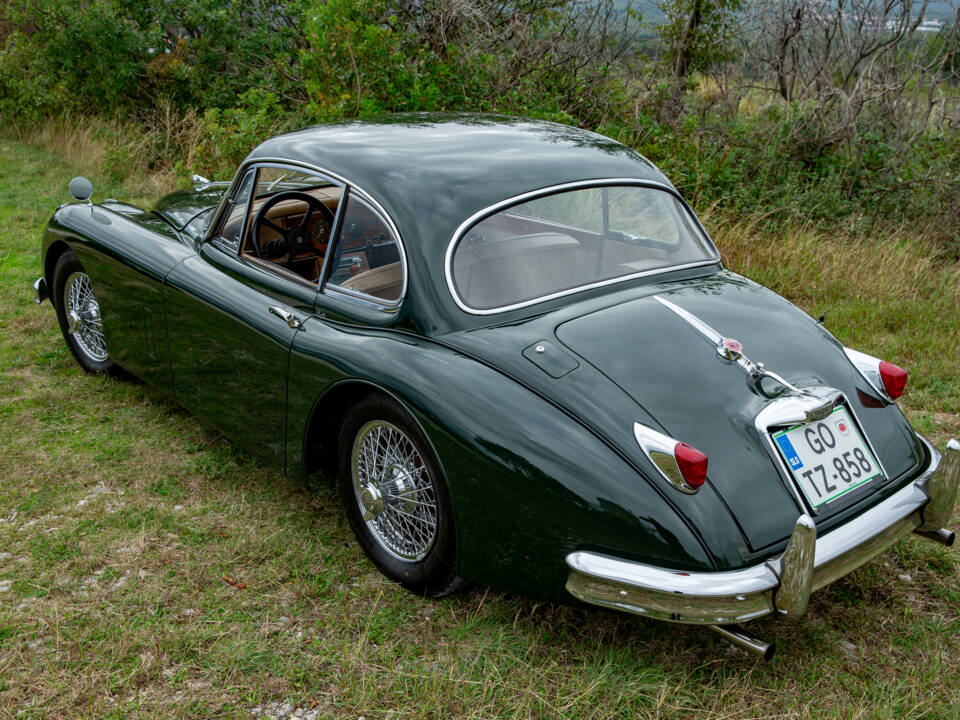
point(150, 569)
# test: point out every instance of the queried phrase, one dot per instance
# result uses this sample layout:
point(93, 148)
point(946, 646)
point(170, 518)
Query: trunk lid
point(676, 375)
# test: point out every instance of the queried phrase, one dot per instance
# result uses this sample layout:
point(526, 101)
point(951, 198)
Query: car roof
point(456, 164)
point(431, 172)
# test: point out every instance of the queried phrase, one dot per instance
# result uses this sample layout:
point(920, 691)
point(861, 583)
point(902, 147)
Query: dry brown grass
point(149, 158)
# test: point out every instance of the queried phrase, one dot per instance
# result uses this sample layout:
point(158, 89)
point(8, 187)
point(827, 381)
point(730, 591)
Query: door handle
point(287, 317)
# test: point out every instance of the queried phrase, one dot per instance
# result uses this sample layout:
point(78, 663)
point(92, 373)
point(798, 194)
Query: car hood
point(640, 349)
point(184, 205)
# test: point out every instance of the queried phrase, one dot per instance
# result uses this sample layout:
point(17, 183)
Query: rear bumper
point(781, 584)
point(40, 291)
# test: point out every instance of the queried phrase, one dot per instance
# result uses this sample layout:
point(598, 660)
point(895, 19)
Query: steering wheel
point(298, 239)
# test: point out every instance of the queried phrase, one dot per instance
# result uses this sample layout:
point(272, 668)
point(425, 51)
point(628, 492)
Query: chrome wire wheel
point(394, 491)
point(83, 317)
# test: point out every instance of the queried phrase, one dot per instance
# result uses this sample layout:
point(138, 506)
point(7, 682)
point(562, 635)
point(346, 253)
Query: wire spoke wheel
point(394, 491)
point(83, 317)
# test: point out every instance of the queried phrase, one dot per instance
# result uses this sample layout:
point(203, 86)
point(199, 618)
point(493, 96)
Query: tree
point(698, 34)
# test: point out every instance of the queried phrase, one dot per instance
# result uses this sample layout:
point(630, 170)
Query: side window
point(290, 221)
point(231, 227)
point(368, 258)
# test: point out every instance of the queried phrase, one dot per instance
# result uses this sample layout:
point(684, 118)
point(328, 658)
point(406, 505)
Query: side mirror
point(81, 189)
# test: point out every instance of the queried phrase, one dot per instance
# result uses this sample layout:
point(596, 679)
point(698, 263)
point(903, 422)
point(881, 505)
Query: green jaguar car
point(517, 350)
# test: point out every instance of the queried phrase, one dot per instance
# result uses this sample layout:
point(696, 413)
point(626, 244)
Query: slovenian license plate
point(828, 458)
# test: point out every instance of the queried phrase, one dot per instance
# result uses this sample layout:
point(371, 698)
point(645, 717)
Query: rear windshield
point(565, 241)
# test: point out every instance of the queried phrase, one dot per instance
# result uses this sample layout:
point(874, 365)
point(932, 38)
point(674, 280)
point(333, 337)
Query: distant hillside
point(937, 10)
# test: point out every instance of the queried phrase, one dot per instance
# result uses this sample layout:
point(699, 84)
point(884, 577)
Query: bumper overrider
point(782, 584)
point(40, 291)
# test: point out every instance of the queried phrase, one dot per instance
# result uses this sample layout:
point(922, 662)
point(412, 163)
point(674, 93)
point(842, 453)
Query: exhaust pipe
point(942, 536)
point(738, 636)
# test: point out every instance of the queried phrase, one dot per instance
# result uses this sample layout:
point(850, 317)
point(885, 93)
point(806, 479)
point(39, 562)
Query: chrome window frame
point(478, 217)
point(348, 187)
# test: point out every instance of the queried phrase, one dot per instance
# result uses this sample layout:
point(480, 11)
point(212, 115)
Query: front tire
point(79, 315)
point(395, 497)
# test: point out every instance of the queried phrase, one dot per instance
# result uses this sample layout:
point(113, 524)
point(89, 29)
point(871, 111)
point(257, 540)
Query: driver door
point(232, 318)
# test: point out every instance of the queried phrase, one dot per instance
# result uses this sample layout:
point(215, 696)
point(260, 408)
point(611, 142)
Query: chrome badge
point(730, 349)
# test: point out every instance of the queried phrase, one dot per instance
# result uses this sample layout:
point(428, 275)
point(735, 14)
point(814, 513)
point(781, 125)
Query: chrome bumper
point(40, 292)
point(781, 584)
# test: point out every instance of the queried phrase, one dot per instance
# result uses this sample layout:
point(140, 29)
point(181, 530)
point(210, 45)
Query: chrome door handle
point(287, 317)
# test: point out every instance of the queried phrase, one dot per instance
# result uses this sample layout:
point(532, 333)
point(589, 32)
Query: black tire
point(90, 353)
point(421, 497)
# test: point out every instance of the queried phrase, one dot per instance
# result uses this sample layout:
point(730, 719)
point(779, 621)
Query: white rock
point(178, 508)
point(118, 585)
point(905, 577)
point(5, 556)
point(141, 574)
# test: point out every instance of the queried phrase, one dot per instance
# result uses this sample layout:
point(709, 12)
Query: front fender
point(529, 483)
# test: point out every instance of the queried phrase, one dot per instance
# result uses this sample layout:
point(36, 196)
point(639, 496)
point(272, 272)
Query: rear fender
point(529, 484)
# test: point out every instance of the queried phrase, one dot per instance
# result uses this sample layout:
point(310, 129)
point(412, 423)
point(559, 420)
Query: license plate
point(828, 458)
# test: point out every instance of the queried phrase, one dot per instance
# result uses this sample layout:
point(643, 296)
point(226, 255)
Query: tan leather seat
point(502, 271)
point(384, 282)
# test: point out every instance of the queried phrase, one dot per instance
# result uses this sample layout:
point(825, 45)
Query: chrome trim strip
point(246, 164)
point(696, 323)
point(580, 184)
point(729, 349)
point(739, 595)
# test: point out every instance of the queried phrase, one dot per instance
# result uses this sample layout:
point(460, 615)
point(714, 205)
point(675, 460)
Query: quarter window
point(231, 228)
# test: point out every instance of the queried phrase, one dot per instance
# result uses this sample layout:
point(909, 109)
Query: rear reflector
point(692, 464)
point(894, 378)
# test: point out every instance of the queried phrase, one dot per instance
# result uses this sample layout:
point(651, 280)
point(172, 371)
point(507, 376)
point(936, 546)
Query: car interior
point(288, 230)
point(508, 254)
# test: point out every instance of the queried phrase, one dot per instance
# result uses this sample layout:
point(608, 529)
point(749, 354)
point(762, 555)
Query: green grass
point(122, 515)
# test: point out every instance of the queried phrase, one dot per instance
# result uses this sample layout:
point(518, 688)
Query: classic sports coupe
point(518, 351)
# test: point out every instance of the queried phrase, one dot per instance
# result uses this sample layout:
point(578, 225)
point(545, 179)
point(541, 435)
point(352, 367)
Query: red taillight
point(894, 378)
point(692, 464)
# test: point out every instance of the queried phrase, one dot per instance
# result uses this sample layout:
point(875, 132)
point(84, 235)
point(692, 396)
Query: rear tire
point(79, 316)
point(395, 497)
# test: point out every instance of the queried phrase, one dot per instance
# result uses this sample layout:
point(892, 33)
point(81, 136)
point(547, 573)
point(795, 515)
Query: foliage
point(549, 58)
point(837, 118)
point(121, 56)
point(698, 34)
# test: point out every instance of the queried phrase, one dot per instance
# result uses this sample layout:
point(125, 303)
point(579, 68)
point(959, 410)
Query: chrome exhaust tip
point(738, 636)
point(941, 535)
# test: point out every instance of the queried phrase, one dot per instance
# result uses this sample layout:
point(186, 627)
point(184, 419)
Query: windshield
point(569, 240)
